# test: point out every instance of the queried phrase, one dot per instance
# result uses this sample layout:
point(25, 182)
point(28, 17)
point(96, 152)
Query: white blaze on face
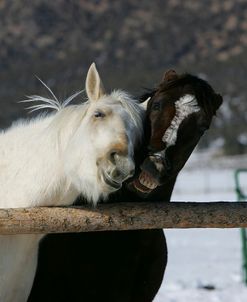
point(185, 106)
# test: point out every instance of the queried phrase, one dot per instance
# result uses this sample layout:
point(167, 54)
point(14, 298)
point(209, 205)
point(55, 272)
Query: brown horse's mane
point(206, 97)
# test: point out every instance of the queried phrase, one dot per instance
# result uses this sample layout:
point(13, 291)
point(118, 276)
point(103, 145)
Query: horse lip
point(136, 183)
point(111, 182)
point(154, 170)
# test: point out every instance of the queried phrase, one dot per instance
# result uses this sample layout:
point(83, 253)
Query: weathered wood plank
point(124, 216)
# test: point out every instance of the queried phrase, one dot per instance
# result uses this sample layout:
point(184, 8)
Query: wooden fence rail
point(123, 216)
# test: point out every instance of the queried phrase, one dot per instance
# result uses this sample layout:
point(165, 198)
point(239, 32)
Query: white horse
point(81, 149)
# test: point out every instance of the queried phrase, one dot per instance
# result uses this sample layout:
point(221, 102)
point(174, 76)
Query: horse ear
point(145, 103)
point(94, 85)
point(170, 75)
point(218, 101)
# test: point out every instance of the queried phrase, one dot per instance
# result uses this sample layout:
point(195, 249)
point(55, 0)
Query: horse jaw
point(94, 86)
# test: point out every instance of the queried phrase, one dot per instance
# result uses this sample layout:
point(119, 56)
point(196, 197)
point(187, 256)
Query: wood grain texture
point(123, 216)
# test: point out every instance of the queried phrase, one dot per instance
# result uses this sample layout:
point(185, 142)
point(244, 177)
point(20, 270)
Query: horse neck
point(31, 168)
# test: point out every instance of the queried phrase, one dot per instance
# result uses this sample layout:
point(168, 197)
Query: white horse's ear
point(145, 103)
point(94, 85)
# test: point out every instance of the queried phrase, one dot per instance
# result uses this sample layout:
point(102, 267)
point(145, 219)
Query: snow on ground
point(204, 265)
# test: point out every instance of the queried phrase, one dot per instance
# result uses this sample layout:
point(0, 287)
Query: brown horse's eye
point(156, 106)
point(99, 114)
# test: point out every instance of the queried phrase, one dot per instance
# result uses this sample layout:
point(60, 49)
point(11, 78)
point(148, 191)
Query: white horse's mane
point(49, 103)
point(42, 103)
point(131, 105)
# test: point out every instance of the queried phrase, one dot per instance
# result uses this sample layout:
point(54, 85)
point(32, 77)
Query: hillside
point(132, 42)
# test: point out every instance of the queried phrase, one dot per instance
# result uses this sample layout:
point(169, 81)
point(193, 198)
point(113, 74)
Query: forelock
point(131, 105)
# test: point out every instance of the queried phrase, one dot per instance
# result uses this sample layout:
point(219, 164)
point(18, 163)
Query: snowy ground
point(204, 258)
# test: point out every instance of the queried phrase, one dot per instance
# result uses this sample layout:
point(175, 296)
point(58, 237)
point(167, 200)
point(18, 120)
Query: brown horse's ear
point(170, 75)
point(218, 101)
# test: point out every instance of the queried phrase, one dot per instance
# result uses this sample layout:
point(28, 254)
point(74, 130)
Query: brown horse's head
point(179, 111)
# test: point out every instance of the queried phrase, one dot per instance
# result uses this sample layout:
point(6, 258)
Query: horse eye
point(156, 106)
point(99, 114)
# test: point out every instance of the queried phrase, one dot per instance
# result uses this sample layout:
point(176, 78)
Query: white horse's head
point(100, 153)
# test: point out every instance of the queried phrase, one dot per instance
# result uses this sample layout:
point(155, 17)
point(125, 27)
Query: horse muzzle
point(154, 170)
point(110, 181)
point(114, 173)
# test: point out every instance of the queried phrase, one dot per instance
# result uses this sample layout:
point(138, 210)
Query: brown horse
point(180, 110)
point(129, 266)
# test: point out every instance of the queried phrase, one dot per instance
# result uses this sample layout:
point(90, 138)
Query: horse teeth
point(153, 186)
point(147, 182)
point(142, 180)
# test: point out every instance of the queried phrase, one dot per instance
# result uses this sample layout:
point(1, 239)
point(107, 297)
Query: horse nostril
point(113, 156)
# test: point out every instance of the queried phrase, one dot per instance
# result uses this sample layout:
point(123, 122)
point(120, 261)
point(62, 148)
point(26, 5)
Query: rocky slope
point(133, 43)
